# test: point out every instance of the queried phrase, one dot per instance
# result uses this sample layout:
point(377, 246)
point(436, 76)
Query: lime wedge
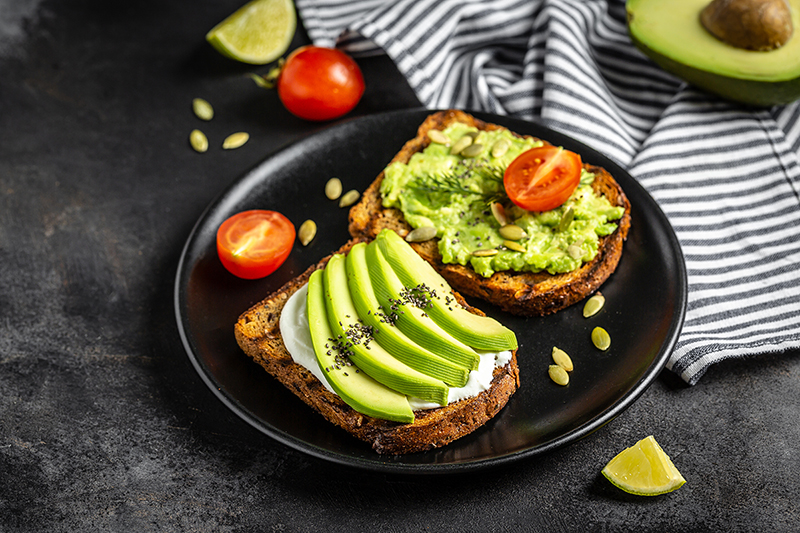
point(259, 32)
point(644, 469)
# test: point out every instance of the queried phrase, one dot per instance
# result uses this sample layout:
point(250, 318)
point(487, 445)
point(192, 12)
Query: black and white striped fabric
point(726, 176)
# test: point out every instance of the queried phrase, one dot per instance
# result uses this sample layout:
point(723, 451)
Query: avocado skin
point(672, 35)
point(751, 92)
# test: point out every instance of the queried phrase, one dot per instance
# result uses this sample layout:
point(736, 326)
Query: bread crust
point(519, 293)
point(258, 334)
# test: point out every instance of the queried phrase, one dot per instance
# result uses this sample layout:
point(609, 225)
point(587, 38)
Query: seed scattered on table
point(198, 140)
point(563, 360)
point(235, 140)
point(202, 109)
point(333, 189)
point(307, 232)
point(601, 339)
point(349, 198)
point(558, 375)
point(593, 305)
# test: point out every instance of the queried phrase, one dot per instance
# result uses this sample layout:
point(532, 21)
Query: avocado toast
point(388, 425)
point(526, 292)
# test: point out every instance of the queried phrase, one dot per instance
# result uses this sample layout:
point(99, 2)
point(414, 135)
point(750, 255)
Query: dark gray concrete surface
point(105, 425)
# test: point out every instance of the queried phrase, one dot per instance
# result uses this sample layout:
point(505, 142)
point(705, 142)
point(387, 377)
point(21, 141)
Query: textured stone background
point(104, 424)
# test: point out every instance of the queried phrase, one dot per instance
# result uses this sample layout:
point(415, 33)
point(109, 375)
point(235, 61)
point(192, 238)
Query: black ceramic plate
point(645, 306)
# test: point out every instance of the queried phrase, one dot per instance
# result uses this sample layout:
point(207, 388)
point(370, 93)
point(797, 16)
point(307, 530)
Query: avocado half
point(671, 34)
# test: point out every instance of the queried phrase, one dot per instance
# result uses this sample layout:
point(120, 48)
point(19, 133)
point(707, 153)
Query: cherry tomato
point(542, 178)
point(253, 244)
point(320, 83)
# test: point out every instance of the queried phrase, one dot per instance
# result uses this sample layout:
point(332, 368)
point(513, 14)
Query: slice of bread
point(258, 334)
point(520, 293)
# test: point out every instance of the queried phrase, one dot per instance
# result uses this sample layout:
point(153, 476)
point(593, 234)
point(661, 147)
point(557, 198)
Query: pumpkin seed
point(512, 232)
point(349, 198)
point(472, 150)
point(500, 148)
point(575, 251)
point(473, 134)
point(460, 144)
point(198, 140)
point(499, 213)
point(333, 189)
point(558, 375)
point(593, 305)
point(202, 109)
point(235, 140)
point(517, 247)
point(561, 358)
point(307, 232)
point(601, 339)
point(486, 252)
point(421, 234)
point(438, 137)
point(566, 219)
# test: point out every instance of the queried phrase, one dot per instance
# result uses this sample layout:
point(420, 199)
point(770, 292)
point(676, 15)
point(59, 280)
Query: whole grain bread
point(520, 293)
point(258, 334)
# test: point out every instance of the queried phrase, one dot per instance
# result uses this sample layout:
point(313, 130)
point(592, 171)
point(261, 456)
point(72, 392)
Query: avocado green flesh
point(388, 335)
point(364, 351)
point(482, 333)
point(464, 221)
point(672, 35)
point(357, 389)
point(411, 320)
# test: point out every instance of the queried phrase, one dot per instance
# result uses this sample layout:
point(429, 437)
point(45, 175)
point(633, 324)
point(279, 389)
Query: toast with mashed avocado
point(357, 391)
point(446, 185)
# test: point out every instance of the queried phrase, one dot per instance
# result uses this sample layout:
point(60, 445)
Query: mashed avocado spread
point(454, 194)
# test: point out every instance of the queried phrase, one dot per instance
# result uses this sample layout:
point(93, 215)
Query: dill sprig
point(454, 180)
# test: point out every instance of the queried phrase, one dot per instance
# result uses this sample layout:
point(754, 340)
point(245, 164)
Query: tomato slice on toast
point(542, 178)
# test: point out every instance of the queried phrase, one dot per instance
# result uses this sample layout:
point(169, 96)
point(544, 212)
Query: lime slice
point(644, 469)
point(259, 32)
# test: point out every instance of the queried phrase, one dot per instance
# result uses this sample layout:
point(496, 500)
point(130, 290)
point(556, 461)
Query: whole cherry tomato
point(253, 244)
point(542, 178)
point(320, 83)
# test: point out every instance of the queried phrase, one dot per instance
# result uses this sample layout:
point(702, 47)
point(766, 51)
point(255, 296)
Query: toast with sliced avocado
point(373, 368)
point(548, 260)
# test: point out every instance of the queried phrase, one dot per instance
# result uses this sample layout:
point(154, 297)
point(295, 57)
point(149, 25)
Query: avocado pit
point(760, 25)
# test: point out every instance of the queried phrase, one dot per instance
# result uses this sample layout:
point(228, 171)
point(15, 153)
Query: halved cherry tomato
point(253, 244)
point(320, 83)
point(542, 178)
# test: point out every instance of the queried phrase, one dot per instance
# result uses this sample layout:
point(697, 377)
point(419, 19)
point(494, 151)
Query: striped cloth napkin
point(726, 176)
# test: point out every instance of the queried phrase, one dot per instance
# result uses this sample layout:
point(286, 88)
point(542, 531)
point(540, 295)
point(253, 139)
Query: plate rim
point(397, 466)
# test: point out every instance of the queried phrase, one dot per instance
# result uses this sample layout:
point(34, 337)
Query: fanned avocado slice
point(407, 308)
point(357, 389)
point(387, 334)
point(355, 338)
point(479, 332)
